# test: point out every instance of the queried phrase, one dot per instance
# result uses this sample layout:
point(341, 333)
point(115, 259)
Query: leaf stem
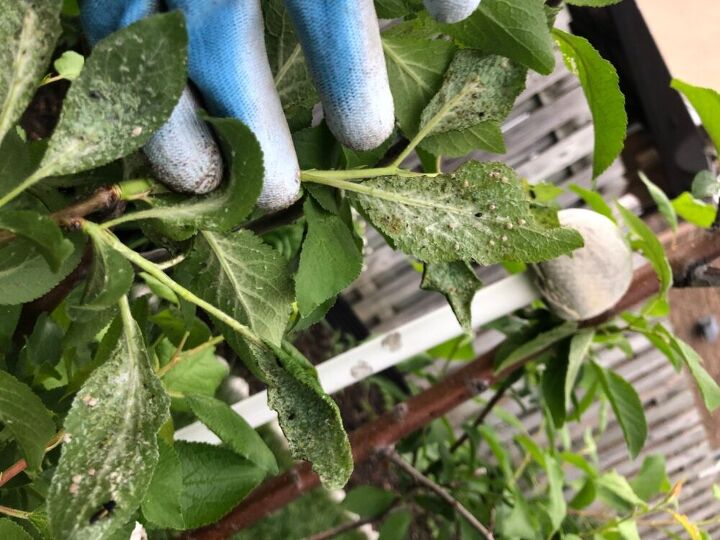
point(317, 176)
point(12, 512)
point(30, 181)
point(175, 357)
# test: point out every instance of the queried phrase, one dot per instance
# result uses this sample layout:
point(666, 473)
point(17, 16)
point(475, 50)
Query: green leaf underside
point(707, 104)
point(694, 211)
point(110, 448)
point(25, 274)
point(368, 501)
point(480, 213)
point(28, 32)
point(600, 83)
point(330, 259)
point(25, 417)
point(214, 481)
point(415, 69)
point(579, 349)
point(42, 231)
point(126, 91)
point(233, 431)
point(709, 389)
point(664, 205)
point(458, 283)
point(162, 504)
point(627, 407)
point(518, 31)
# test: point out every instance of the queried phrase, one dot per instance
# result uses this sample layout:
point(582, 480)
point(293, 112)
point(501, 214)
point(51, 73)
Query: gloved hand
point(228, 64)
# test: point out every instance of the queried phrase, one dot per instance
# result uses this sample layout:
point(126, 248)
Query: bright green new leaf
point(368, 501)
point(42, 231)
point(627, 407)
point(652, 478)
point(707, 104)
point(594, 200)
point(162, 504)
point(661, 200)
point(709, 388)
point(69, 65)
point(579, 349)
point(25, 418)
point(458, 283)
point(628, 530)
point(536, 345)
point(556, 506)
point(9, 530)
point(214, 481)
point(25, 274)
point(653, 251)
point(705, 184)
point(28, 32)
point(110, 449)
point(199, 373)
point(600, 83)
point(233, 431)
point(415, 68)
point(716, 491)
point(518, 31)
point(481, 213)
point(614, 485)
point(329, 261)
point(694, 210)
point(125, 92)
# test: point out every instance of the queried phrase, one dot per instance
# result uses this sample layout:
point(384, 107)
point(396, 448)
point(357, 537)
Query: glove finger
point(341, 41)
point(228, 62)
point(451, 11)
point(183, 153)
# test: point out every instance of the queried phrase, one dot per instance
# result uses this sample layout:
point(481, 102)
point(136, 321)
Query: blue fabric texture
point(341, 41)
point(228, 62)
point(451, 11)
point(182, 153)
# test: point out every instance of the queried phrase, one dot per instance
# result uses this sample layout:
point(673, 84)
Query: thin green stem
point(318, 176)
point(30, 181)
point(151, 268)
point(12, 512)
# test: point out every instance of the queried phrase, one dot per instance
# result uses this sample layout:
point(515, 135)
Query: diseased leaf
point(694, 210)
point(25, 274)
point(536, 345)
point(481, 213)
point(707, 104)
point(233, 431)
point(664, 205)
point(26, 419)
point(518, 31)
point(627, 407)
point(486, 136)
point(42, 231)
point(162, 505)
point(329, 261)
point(458, 283)
point(690, 528)
point(126, 91)
point(28, 32)
point(214, 481)
point(600, 83)
point(110, 448)
point(579, 348)
point(415, 68)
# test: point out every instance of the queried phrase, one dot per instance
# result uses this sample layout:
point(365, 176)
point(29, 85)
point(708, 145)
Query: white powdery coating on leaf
point(591, 279)
point(451, 11)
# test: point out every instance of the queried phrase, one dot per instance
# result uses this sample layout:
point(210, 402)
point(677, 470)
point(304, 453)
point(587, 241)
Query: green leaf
point(28, 32)
point(716, 491)
point(69, 65)
point(126, 91)
point(415, 69)
point(536, 345)
point(707, 104)
point(556, 508)
point(694, 211)
point(627, 407)
point(458, 283)
point(593, 3)
point(309, 418)
point(600, 83)
point(628, 530)
point(476, 96)
point(579, 349)
point(481, 212)
point(233, 431)
point(42, 231)
point(9, 530)
point(653, 251)
point(18, 160)
point(111, 277)
point(652, 478)
point(705, 184)
point(614, 485)
point(330, 259)
point(391, 9)
point(709, 388)
point(25, 274)
point(507, 28)
point(368, 501)
point(594, 200)
point(162, 504)
point(215, 480)
point(287, 61)
point(486, 136)
point(9, 316)
point(665, 207)
point(25, 418)
point(198, 374)
point(244, 277)
point(553, 378)
point(110, 448)
point(396, 525)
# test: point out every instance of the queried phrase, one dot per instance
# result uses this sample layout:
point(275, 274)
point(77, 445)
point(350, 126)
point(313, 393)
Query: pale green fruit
point(592, 279)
